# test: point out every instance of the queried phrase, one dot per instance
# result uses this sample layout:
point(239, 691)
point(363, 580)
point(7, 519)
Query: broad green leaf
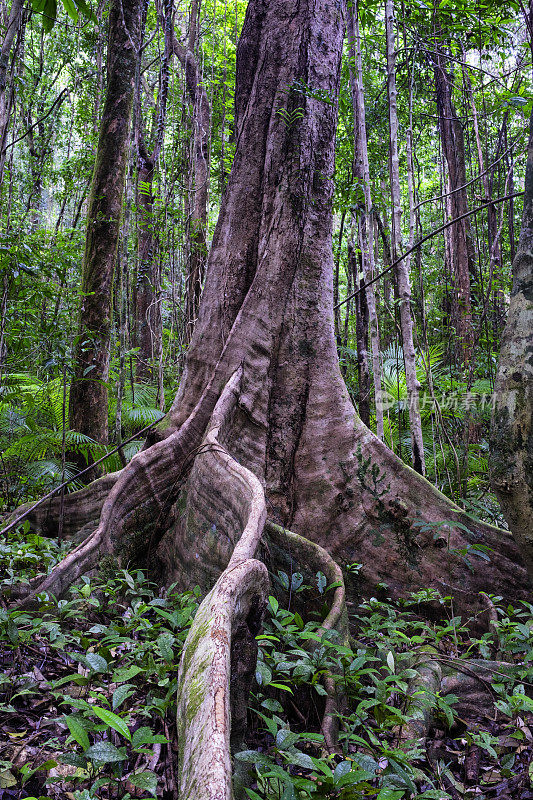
point(74, 759)
point(96, 662)
point(49, 14)
point(126, 673)
point(342, 769)
point(286, 738)
point(121, 693)
point(300, 759)
point(253, 795)
point(105, 752)
point(86, 10)
point(71, 9)
point(147, 781)
point(164, 645)
point(144, 735)
point(78, 732)
point(263, 675)
point(253, 757)
point(115, 722)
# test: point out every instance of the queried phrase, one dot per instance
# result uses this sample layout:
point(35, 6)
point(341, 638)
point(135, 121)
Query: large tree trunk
point(262, 421)
point(267, 310)
point(512, 422)
point(88, 392)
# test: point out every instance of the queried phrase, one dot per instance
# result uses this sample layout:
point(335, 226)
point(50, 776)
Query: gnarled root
point(469, 680)
point(204, 680)
point(80, 510)
point(133, 512)
point(420, 700)
point(213, 682)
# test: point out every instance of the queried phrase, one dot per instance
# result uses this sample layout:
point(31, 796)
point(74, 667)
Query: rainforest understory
point(266, 601)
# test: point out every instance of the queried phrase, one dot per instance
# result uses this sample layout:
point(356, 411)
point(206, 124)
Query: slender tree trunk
point(461, 253)
point(336, 280)
point(16, 25)
point(148, 332)
point(402, 269)
point(361, 330)
point(147, 307)
point(197, 256)
point(88, 392)
point(13, 24)
point(362, 171)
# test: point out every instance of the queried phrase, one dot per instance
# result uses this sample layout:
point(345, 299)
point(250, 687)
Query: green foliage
point(113, 649)
point(48, 10)
point(375, 679)
point(106, 690)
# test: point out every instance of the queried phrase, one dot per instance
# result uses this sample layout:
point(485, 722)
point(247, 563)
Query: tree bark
point(511, 460)
point(146, 295)
point(13, 24)
point(361, 330)
point(88, 392)
point(267, 310)
point(148, 333)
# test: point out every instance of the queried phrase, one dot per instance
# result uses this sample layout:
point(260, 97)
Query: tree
point(362, 171)
point(88, 391)
point(201, 110)
point(512, 421)
point(453, 146)
point(146, 296)
point(14, 23)
point(402, 273)
point(262, 422)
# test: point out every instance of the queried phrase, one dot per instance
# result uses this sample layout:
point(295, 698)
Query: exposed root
point(421, 693)
point(76, 563)
point(204, 679)
point(148, 483)
point(81, 509)
point(210, 696)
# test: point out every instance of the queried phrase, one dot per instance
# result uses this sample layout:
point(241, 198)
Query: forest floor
point(88, 687)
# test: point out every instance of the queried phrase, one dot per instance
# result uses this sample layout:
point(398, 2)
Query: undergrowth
point(88, 686)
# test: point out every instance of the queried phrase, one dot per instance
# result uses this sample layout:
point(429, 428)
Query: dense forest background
point(463, 86)
point(166, 194)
